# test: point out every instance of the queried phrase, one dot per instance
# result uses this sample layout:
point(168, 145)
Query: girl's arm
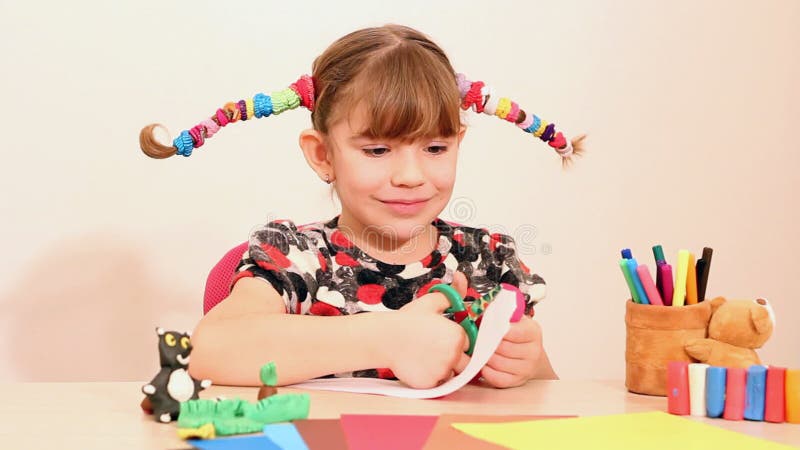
point(251, 328)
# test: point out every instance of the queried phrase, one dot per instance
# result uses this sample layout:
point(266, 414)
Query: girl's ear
point(461, 134)
point(315, 150)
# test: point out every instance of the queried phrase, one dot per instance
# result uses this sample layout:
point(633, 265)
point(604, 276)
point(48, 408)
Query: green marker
point(623, 264)
point(658, 252)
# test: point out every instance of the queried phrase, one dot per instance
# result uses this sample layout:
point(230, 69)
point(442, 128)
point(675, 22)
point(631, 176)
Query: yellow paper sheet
point(651, 430)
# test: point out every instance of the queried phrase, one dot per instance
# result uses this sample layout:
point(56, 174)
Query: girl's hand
point(427, 348)
point(518, 357)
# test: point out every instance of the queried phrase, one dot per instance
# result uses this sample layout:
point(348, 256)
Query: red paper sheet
point(390, 432)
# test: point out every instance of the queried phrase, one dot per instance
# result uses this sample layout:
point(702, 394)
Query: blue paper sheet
point(285, 436)
point(255, 442)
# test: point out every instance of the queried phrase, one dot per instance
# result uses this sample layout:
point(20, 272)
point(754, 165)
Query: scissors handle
point(457, 305)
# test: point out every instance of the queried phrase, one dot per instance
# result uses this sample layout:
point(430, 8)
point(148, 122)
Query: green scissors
point(457, 305)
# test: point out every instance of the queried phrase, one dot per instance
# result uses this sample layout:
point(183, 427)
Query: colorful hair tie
point(210, 126)
point(299, 93)
point(197, 135)
point(475, 95)
point(284, 100)
point(527, 122)
point(232, 111)
point(304, 87)
point(510, 111)
point(183, 144)
point(262, 105)
point(242, 109)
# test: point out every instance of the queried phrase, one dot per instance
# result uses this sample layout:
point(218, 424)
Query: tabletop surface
point(107, 415)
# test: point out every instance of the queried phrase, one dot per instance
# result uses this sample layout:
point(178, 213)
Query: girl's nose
point(408, 170)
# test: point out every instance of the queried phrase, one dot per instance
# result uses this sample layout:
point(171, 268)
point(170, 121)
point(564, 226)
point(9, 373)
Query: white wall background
point(691, 110)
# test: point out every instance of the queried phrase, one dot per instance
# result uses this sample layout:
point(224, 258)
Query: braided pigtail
point(476, 95)
point(300, 93)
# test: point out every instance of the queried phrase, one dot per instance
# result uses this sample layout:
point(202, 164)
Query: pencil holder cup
point(656, 335)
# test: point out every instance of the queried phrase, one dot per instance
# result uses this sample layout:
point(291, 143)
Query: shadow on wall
point(86, 309)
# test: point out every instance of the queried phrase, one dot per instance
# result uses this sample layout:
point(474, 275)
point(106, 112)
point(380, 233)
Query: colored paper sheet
point(445, 437)
point(285, 436)
point(494, 326)
point(255, 442)
point(396, 432)
point(651, 430)
point(322, 434)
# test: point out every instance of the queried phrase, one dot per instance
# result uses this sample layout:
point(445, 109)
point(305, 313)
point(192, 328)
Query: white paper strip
point(494, 326)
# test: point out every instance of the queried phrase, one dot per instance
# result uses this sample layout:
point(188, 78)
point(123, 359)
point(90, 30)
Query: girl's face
point(390, 190)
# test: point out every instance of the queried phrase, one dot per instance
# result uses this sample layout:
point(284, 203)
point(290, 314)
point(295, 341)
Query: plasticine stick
point(734, 394)
point(792, 393)
point(754, 393)
point(678, 388)
point(775, 402)
point(715, 391)
point(697, 389)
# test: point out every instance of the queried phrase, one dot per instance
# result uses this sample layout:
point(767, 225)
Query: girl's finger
point(515, 350)
point(499, 379)
point(462, 363)
point(526, 330)
point(460, 283)
point(517, 367)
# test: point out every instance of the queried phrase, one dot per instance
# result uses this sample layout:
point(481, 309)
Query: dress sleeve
point(280, 255)
point(514, 271)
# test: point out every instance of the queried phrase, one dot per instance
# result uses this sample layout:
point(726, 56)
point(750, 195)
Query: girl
point(386, 131)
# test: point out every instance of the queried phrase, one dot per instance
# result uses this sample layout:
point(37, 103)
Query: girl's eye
point(378, 151)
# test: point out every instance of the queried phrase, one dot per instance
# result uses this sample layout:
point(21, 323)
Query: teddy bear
point(736, 329)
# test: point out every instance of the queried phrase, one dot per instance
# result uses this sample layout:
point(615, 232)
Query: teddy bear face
point(743, 323)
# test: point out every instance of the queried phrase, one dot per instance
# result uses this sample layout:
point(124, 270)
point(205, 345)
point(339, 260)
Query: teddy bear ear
point(762, 318)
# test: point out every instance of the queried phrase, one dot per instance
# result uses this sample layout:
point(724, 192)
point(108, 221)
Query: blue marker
point(637, 283)
point(626, 253)
point(716, 378)
point(755, 392)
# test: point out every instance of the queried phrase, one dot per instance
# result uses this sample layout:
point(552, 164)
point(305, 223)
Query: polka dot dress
point(319, 271)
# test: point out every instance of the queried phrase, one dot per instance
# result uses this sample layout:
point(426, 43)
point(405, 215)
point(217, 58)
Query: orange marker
point(793, 396)
point(691, 282)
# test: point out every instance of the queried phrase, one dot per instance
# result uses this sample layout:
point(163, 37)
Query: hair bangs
point(406, 94)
